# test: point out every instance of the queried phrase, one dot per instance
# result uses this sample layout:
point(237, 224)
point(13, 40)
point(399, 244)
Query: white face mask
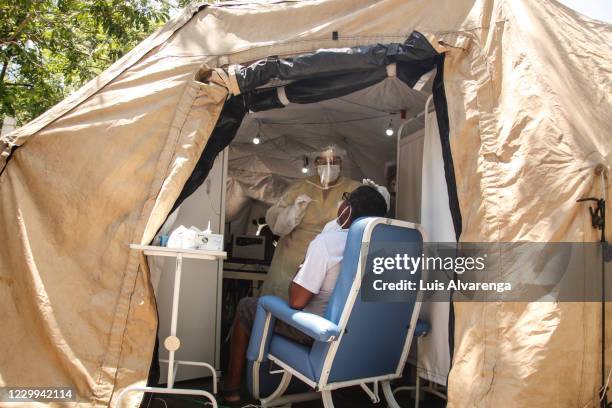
point(342, 224)
point(336, 224)
point(328, 173)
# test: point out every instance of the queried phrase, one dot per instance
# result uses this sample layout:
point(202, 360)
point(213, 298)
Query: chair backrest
point(377, 333)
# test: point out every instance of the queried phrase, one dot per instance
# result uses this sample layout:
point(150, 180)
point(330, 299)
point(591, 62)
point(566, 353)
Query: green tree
point(49, 48)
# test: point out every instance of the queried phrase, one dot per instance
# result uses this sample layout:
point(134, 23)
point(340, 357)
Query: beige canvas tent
point(528, 89)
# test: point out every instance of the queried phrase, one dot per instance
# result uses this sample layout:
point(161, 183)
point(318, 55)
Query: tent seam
point(357, 37)
point(480, 69)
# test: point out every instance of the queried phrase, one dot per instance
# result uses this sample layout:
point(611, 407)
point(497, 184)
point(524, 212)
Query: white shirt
point(320, 270)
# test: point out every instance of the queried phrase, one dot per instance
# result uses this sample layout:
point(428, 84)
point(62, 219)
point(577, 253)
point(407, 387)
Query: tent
point(523, 113)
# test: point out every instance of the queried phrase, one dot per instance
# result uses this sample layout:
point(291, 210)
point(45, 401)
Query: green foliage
point(49, 48)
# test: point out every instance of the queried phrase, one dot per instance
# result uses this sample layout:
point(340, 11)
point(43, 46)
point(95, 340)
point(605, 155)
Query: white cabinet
point(200, 304)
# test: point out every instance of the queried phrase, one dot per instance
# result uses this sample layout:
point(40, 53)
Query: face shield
point(328, 162)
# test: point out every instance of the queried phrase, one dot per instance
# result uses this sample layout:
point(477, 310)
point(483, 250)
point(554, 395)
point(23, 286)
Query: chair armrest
point(261, 334)
point(315, 326)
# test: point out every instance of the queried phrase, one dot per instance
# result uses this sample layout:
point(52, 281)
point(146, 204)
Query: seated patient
point(313, 284)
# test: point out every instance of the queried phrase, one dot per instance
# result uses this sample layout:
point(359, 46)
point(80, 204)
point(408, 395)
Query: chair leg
point(284, 383)
point(417, 392)
point(327, 399)
point(391, 402)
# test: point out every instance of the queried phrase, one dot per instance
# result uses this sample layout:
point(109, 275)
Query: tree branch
point(19, 84)
point(18, 30)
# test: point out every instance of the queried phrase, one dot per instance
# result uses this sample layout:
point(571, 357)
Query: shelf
point(185, 253)
point(252, 276)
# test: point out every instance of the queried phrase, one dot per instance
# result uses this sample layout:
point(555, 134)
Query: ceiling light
point(389, 131)
point(256, 140)
point(305, 165)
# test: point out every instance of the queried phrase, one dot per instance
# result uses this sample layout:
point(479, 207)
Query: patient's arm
point(307, 282)
point(299, 297)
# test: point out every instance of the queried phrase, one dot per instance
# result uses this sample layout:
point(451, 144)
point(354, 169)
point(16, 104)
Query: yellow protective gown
point(292, 247)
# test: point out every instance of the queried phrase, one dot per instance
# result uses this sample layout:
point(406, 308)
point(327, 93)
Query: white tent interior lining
point(355, 122)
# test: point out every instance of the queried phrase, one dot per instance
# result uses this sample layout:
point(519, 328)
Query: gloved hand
point(283, 219)
point(369, 182)
point(302, 201)
point(382, 190)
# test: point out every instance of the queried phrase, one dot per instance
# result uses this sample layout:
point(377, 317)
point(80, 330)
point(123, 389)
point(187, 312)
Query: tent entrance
point(292, 112)
point(274, 148)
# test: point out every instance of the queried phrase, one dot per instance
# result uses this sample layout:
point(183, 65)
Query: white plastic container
point(209, 241)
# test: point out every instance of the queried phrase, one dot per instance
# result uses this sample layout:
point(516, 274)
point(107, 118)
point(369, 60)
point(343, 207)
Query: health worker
point(301, 213)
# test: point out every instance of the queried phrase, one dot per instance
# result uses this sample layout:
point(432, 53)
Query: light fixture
point(256, 139)
point(389, 131)
point(305, 165)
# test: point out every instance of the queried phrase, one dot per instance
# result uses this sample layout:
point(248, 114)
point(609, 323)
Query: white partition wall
point(408, 206)
point(436, 220)
point(199, 306)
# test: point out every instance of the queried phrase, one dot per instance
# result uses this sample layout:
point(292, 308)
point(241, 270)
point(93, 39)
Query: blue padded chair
point(357, 342)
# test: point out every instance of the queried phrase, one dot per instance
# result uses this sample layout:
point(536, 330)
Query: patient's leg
point(239, 342)
point(238, 347)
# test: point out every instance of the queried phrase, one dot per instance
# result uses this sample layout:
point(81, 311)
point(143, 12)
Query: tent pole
point(604, 244)
point(598, 221)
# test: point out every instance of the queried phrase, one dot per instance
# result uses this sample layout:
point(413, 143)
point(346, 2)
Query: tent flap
point(414, 58)
point(229, 121)
point(332, 73)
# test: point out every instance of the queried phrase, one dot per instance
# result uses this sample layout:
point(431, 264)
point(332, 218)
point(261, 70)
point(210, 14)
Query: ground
point(352, 397)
